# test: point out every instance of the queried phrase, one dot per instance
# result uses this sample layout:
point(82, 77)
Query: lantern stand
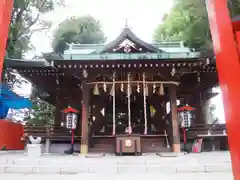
point(71, 123)
point(185, 115)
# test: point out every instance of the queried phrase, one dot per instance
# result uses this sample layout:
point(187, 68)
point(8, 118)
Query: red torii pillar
point(5, 16)
point(227, 60)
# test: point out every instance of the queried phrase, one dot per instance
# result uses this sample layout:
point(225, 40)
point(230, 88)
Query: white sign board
point(71, 119)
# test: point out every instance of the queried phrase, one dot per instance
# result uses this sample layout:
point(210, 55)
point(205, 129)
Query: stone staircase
point(62, 164)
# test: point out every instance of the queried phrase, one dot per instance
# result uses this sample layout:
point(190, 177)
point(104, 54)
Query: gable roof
point(128, 34)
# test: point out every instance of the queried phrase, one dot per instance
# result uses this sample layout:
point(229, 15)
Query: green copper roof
point(127, 46)
point(132, 56)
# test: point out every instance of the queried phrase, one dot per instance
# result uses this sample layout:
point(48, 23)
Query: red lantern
point(71, 123)
point(186, 115)
point(71, 117)
point(186, 108)
point(70, 110)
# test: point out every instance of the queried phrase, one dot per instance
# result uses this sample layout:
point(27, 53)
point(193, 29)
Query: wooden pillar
point(85, 111)
point(58, 116)
point(175, 124)
point(199, 109)
point(198, 102)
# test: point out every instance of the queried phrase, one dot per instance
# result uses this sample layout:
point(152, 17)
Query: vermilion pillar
point(5, 16)
point(228, 67)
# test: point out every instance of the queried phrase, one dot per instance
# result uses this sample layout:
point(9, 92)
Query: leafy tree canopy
point(188, 22)
point(26, 19)
point(81, 30)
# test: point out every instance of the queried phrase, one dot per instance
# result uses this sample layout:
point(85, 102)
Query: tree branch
point(34, 21)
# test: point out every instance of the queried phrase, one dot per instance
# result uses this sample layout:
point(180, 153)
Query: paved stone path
point(61, 164)
point(138, 176)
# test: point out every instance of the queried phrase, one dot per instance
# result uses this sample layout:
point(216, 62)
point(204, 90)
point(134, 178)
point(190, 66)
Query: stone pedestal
point(47, 146)
point(34, 150)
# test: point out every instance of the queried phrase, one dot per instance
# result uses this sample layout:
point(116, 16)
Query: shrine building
point(121, 89)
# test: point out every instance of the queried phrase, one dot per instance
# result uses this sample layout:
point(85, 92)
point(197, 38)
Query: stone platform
point(125, 176)
point(63, 164)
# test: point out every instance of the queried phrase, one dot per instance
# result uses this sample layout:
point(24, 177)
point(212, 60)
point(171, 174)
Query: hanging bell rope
point(129, 89)
point(129, 104)
point(104, 87)
point(122, 87)
point(146, 89)
point(144, 103)
point(114, 104)
point(166, 137)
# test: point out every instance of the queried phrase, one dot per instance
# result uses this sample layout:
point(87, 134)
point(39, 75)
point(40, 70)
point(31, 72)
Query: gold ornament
point(161, 90)
point(96, 90)
point(128, 143)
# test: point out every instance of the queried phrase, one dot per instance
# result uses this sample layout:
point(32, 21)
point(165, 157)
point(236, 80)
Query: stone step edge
point(114, 163)
point(114, 169)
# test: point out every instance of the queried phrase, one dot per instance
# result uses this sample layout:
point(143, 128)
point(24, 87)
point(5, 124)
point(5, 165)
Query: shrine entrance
point(122, 115)
point(129, 107)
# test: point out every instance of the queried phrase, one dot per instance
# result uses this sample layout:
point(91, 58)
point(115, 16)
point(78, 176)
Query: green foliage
point(82, 30)
point(188, 22)
point(4, 148)
point(42, 113)
point(234, 6)
point(25, 20)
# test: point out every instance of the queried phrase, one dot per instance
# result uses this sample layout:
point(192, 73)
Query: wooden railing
point(206, 129)
point(52, 132)
point(58, 132)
